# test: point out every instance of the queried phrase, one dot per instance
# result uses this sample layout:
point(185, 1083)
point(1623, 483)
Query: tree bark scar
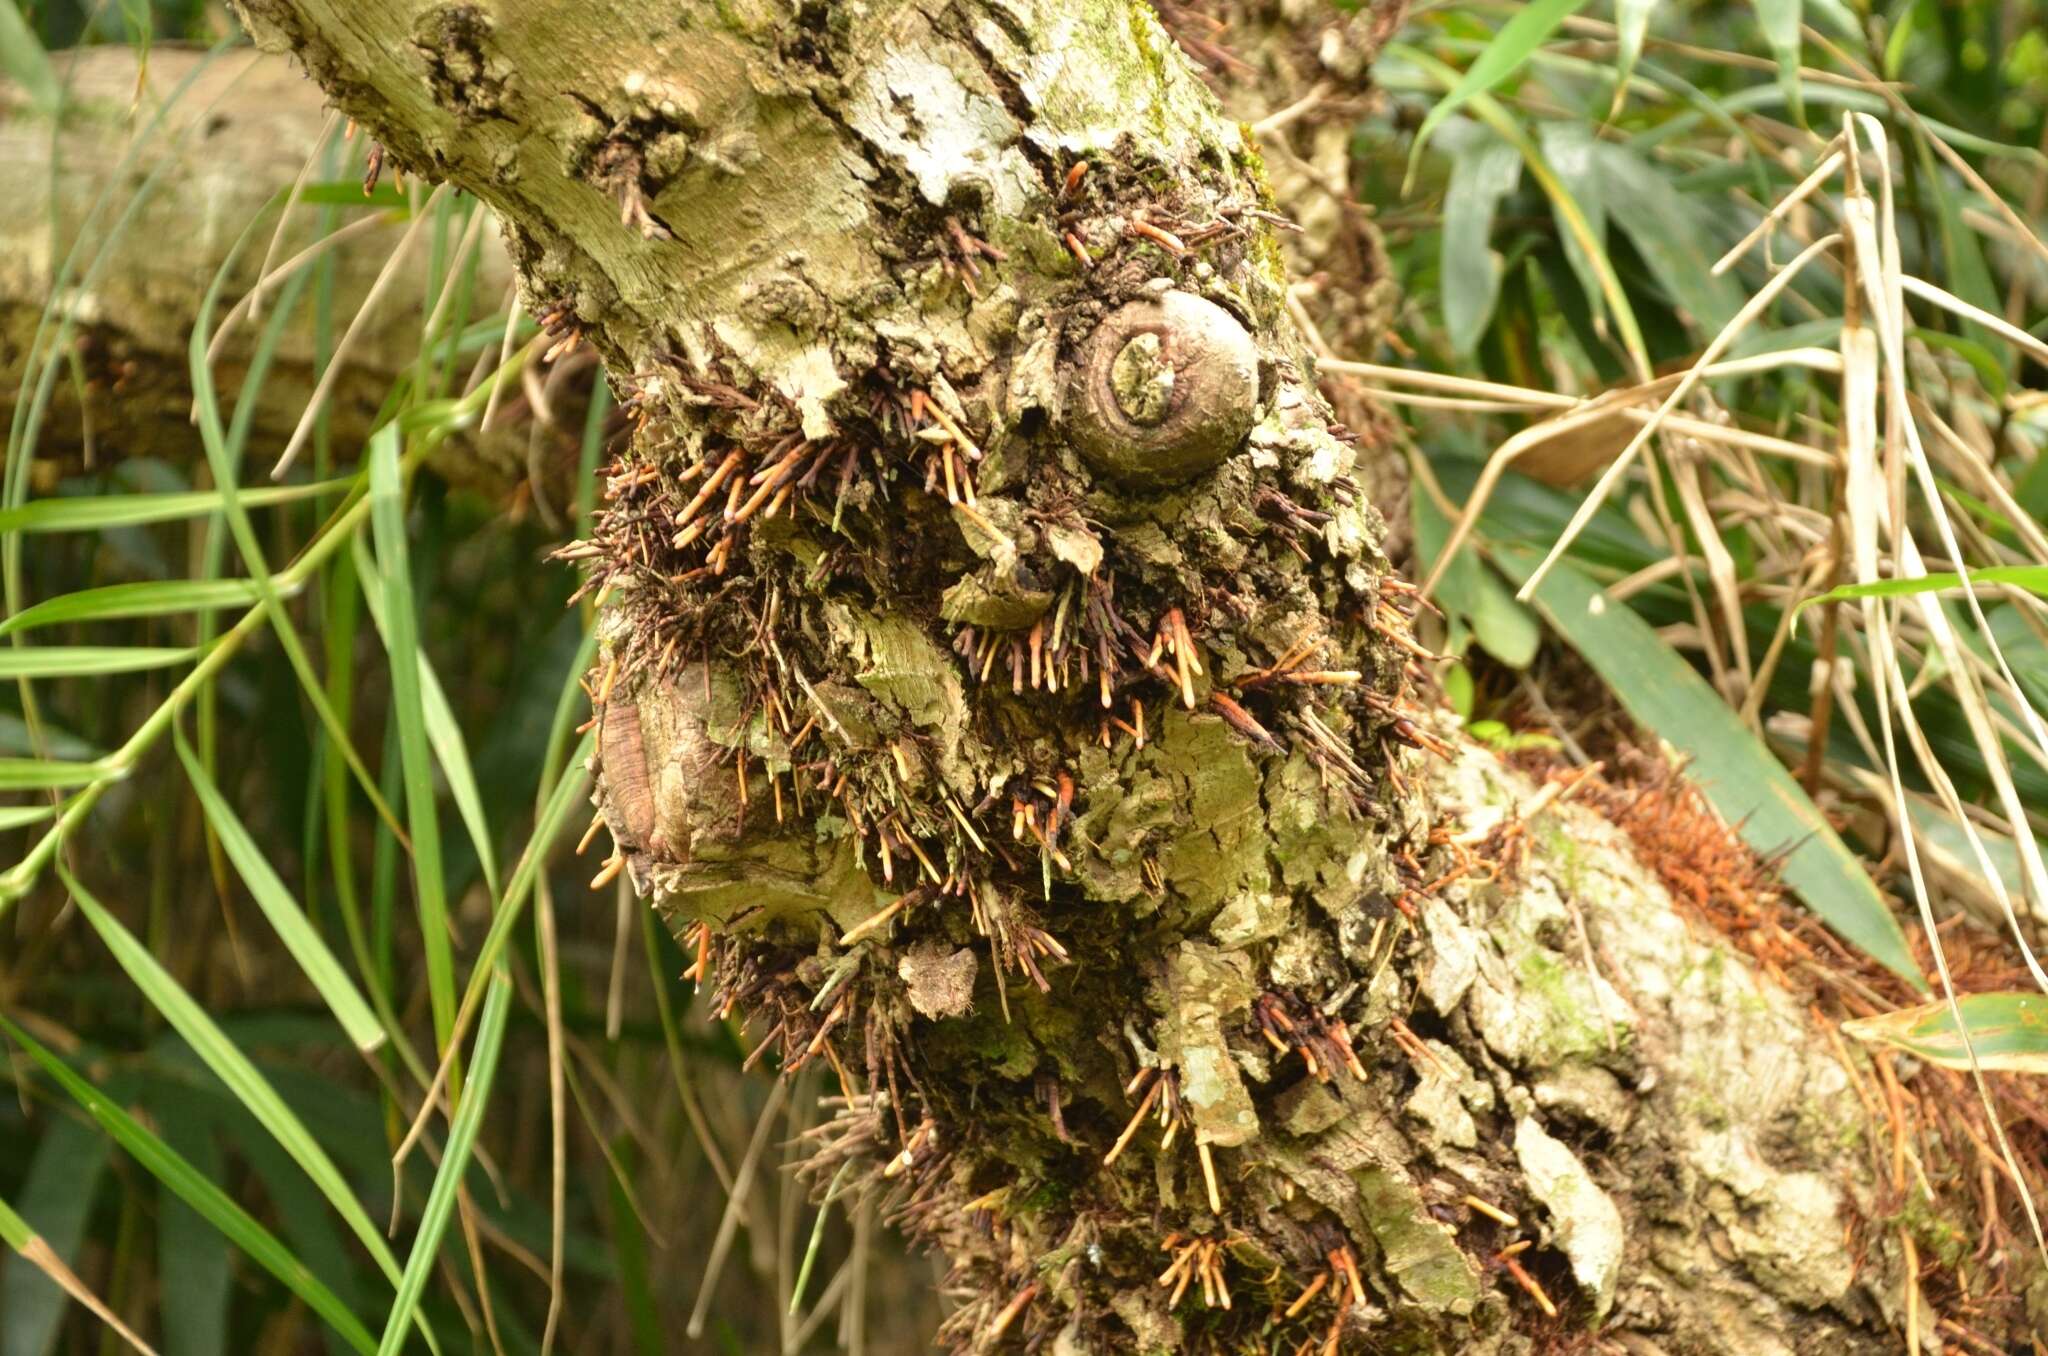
point(629, 790)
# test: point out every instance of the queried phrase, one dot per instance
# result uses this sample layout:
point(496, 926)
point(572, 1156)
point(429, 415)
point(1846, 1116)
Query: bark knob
point(1165, 390)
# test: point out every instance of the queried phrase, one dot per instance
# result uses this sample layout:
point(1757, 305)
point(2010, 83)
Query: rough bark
point(241, 130)
point(1020, 720)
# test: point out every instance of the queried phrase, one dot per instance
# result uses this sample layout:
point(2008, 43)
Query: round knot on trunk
point(1165, 391)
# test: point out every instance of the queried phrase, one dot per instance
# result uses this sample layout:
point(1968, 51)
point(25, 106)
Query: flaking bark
point(1028, 798)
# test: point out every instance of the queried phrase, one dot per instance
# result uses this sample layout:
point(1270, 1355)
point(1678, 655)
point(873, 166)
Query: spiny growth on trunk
point(1022, 742)
point(1005, 697)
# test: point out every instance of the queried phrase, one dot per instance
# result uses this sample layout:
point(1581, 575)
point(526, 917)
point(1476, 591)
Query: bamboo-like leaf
point(233, 1068)
point(1485, 170)
point(444, 732)
point(1632, 24)
point(1780, 20)
point(401, 637)
point(21, 816)
point(1731, 767)
point(1469, 590)
point(83, 661)
point(2008, 1031)
point(1518, 38)
point(90, 513)
point(33, 1250)
point(294, 929)
point(43, 774)
point(469, 1114)
point(154, 598)
point(196, 1190)
point(58, 1190)
point(2032, 578)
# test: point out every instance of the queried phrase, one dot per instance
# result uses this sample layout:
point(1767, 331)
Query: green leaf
point(196, 1190)
point(1730, 766)
point(1471, 592)
point(20, 816)
point(444, 732)
point(57, 1196)
point(294, 929)
point(401, 637)
point(43, 774)
point(1484, 171)
point(2032, 578)
point(1573, 153)
point(156, 598)
point(1779, 20)
point(1668, 229)
point(1632, 22)
point(469, 1114)
point(87, 513)
point(24, 59)
point(80, 661)
point(233, 1068)
point(2009, 1031)
point(1518, 38)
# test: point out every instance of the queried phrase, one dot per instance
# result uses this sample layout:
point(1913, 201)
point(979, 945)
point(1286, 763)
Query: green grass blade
point(2009, 1031)
point(401, 636)
point(308, 949)
point(116, 602)
point(1484, 171)
point(82, 661)
point(91, 513)
point(43, 774)
point(195, 1189)
point(2032, 578)
point(444, 732)
point(426, 1244)
point(568, 790)
point(236, 1071)
point(21, 816)
point(58, 1192)
point(1731, 767)
point(1518, 38)
point(1779, 20)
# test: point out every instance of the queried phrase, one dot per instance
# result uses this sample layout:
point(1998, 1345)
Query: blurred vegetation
point(323, 851)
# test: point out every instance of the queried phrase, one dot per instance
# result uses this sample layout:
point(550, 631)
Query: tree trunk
point(1005, 693)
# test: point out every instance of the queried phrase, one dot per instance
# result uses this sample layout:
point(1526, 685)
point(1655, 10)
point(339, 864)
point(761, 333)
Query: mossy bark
point(1188, 994)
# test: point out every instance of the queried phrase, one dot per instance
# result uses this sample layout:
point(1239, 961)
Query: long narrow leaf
point(294, 929)
point(426, 1244)
point(1731, 767)
point(236, 1071)
point(154, 598)
point(1518, 38)
point(91, 513)
point(42, 774)
point(2032, 578)
point(33, 1251)
point(82, 661)
point(444, 731)
point(196, 1190)
point(2008, 1031)
point(58, 1191)
point(401, 637)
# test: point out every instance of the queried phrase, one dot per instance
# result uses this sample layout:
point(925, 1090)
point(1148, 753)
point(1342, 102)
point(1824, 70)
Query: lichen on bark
point(1188, 993)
